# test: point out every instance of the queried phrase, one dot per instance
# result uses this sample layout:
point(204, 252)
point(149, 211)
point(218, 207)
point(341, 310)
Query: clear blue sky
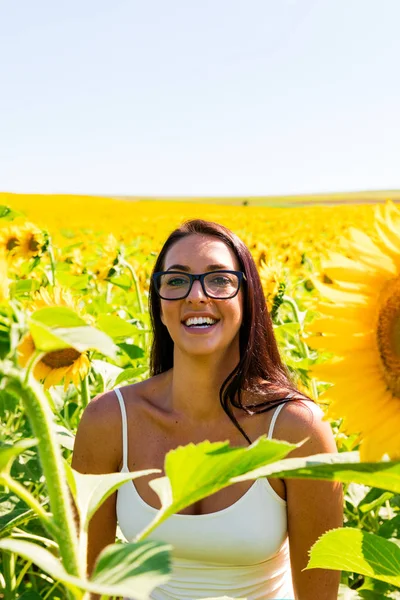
point(199, 97)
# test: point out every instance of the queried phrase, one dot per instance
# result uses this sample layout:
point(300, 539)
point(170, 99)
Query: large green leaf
point(9, 452)
point(133, 568)
point(84, 337)
point(116, 327)
point(93, 490)
point(344, 466)
point(121, 570)
point(196, 471)
point(58, 316)
point(357, 551)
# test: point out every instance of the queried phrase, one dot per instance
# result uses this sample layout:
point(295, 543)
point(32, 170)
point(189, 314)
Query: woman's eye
point(176, 281)
point(221, 281)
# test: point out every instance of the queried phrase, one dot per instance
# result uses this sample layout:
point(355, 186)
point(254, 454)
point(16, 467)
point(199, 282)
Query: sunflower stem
point(85, 391)
point(27, 497)
point(135, 283)
point(52, 263)
point(34, 359)
point(306, 353)
point(41, 419)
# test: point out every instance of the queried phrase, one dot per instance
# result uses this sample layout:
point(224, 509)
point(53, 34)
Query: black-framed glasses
point(175, 285)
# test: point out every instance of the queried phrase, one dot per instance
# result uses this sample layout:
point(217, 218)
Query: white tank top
point(238, 552)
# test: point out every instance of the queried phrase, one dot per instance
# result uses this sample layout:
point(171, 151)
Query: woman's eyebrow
point(214, 267)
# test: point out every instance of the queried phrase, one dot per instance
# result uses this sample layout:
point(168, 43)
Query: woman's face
point(198, 254)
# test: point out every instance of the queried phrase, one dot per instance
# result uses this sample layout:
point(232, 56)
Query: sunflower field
point(74, 280)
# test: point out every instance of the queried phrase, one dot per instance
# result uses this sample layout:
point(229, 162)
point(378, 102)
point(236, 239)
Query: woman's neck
point(195, 384)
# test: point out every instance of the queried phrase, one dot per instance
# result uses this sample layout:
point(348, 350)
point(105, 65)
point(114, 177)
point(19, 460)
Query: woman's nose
point(196, 293)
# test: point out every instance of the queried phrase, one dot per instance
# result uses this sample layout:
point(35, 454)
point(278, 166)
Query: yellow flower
point(75, 258)
point(272, 274)
point(67, 363)
point(9, 238)
point(109, 256)
point(362, 327)
point(31, 241)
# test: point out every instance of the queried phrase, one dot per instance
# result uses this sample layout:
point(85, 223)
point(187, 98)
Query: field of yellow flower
point(74, 281)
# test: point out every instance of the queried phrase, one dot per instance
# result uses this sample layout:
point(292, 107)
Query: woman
point(216, 375)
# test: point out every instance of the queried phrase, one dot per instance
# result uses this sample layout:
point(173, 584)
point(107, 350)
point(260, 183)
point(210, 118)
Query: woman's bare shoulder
point(98, 442)
point(301, 420)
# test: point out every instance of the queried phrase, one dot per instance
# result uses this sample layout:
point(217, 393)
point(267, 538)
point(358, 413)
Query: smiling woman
point(216, 374)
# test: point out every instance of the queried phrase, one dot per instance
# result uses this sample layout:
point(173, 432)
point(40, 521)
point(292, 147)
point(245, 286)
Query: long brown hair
point(260, 368)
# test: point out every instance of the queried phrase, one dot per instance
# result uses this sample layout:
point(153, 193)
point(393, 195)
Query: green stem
point(135, 283)
point(27, 497)
point(52, 263)
point(109, 293)
point(85, 391)
point(8, 561)
point(22, 573)
point(306, 353)
point(41, 419)
point(34, 359)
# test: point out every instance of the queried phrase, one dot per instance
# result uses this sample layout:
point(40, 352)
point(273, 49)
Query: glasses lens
point(172, 286)
point(221, 285)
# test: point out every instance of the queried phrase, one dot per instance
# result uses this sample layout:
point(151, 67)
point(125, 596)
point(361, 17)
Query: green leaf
point(8, 214)
point(133, 567)
point(45, 339)
point(116, 327)
point(93, 490)
point(123, 281)
point(15, 518)
point(357, 551)
point(74, 282)
point(131, 350)
point(196, 471)
point(65, 437)
point(58, 316)
point(107, 371)
point(121, 570)
point(344, 466)
point(8, 453)
point(46, 561)
point(129, 374)
point(51, 339)
point(24, 286)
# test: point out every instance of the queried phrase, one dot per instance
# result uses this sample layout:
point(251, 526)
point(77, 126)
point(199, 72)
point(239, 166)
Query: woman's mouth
point(200, 324)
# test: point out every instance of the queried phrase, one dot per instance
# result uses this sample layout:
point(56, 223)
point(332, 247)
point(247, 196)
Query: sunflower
point(32, 241)
point(272, 275)
point(68, 364)
point(361, 327)
point(104, 267)
point(10, 238)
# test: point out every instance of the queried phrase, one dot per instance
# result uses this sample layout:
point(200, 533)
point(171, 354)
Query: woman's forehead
point(202, 250)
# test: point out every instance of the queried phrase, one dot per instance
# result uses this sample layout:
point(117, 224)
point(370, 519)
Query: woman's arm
point(98, 450)
point(313, 506)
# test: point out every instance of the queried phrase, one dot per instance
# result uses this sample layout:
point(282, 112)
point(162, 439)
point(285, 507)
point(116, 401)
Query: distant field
point(368, 197)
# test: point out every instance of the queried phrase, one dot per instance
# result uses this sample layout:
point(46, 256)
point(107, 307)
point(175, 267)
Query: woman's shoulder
point(105, 408)
point(302, 420)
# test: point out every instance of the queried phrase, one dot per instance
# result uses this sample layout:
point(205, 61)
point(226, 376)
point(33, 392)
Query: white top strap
point(273, 420)
point(124, 429)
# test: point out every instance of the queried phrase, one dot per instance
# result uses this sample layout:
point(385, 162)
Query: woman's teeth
point(200, 322)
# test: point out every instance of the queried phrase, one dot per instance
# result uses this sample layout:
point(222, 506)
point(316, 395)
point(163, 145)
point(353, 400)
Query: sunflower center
point(61, 358)
point(33, 244)
point(388, 335)
point(12, 242)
